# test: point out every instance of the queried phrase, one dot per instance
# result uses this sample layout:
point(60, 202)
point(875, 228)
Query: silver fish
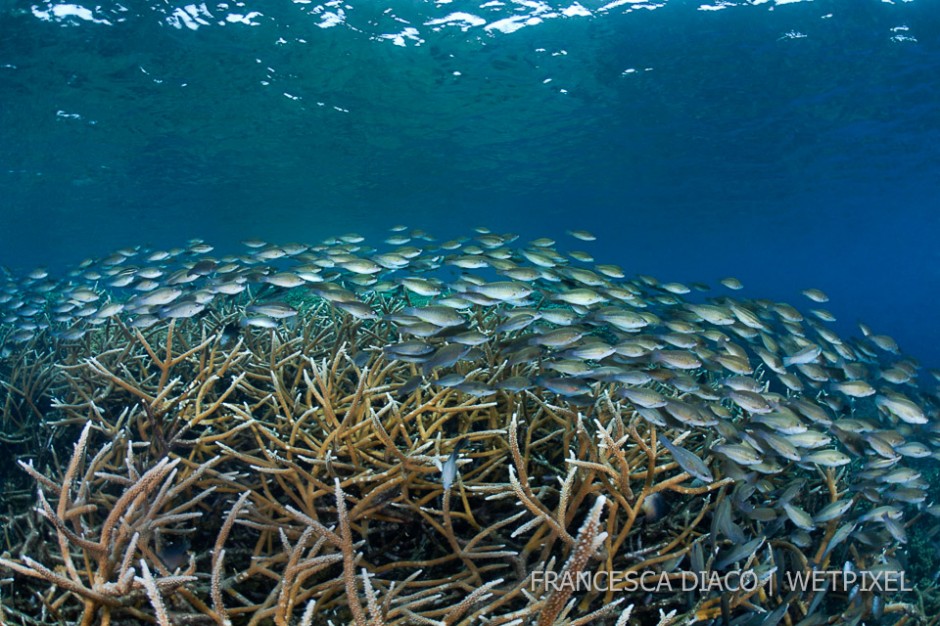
point(689, 462)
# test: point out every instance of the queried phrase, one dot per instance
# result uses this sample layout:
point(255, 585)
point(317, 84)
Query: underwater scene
point(505, 312)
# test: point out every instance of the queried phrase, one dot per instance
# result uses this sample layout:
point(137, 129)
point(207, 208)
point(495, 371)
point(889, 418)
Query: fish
point(409, 386)
point(445, 356)
point(832, 511)
point(583, 235)
point(259, 321)
point(469, 338)
point(827, 458)
point(516, 321)
point(361, 266)
point(174, 555)
point(809, 439)
point(823, 314)
point(676, 288)
point(159, 297)
point(802, 356)
point(358, 310)
point(515, 383)
point(439, 316)
point(421, 286)
point(799, 517)
point(475, 388)
point(593, 351)
point(274, 310)
point(842, 533)
point(780, 445)
point(913, 449)
point(901, 407)
point(579, 255)
point(740, 453)
point(855, 388)
point(885, 343)
point(228, 334)
point(688, 413)
point(288, 280)
point(816, 295)
point(908, 495)
point(881, 512)
point(811, 410)
point(782, 421)
point(740, 552)
point(610, 270)
point(678, 359)
point(505, 291)
point(747, 317)
point(568, 387)
point(557, 338)
point(901, 475)
point(182, 309)
point(449, 467)
point(688, 461)
point(581, 296)
point(644, 397)
point(713, 314)
point(109, 310)
point(750, 401)
point(627, 321)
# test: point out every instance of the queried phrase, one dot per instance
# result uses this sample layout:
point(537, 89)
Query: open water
point(791, 144)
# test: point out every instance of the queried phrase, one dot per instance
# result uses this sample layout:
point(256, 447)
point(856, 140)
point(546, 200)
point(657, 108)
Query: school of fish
point(773, 388)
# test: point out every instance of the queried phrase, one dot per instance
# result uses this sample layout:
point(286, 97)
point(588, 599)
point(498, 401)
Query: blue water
point(791, 144)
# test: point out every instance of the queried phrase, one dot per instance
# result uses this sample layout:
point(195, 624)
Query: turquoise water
point(790, 144)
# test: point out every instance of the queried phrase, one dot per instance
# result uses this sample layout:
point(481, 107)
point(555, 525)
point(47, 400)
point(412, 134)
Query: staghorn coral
point(330, 479)
point(323, 469)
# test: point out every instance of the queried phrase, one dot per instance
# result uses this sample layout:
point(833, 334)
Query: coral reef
point(298, 475)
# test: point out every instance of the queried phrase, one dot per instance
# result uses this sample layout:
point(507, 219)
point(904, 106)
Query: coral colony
point(473, 431)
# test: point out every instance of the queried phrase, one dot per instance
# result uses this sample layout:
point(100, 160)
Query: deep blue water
point(788, 144)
